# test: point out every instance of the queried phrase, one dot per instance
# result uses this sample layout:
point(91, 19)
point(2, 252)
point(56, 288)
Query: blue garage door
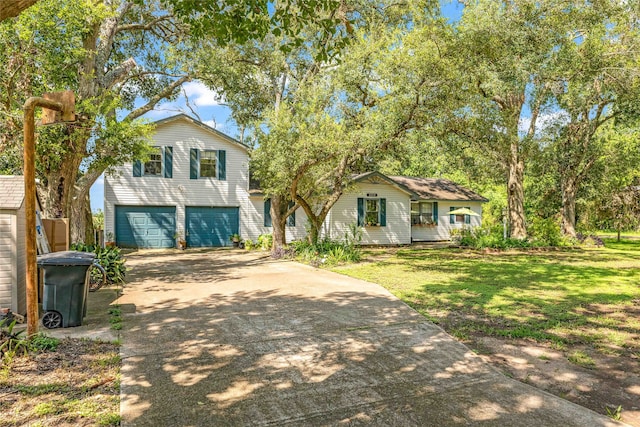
point(145, 226)
point(211, 226)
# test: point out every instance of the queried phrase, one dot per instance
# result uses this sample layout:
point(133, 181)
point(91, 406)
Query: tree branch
point(166, 92)
point(143, 26)
point(118, 74)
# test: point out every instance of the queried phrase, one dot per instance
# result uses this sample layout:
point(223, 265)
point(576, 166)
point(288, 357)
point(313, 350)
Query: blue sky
point(207, 105)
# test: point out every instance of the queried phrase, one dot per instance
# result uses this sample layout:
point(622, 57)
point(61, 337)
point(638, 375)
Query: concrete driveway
point(215, 338)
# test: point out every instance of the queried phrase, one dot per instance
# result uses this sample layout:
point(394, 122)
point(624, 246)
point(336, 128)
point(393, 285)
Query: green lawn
point(565, 297)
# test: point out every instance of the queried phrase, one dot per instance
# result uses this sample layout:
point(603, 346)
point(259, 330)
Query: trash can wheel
point(52, 320)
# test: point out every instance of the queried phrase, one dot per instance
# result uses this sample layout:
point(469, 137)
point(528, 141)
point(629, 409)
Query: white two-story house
point(196, 186)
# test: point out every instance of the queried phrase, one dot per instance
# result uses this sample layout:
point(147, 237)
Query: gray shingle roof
point(11, 192)
point(438, 189)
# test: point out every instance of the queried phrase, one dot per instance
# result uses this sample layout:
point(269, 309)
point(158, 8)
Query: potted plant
point(110, 240)
point(181, 243)
point(235, 239)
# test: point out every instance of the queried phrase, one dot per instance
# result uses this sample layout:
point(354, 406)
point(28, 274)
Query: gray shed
point(12, 244)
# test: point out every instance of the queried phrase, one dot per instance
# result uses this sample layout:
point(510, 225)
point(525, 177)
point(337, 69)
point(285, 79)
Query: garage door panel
point(145, 226)
point(207, 226)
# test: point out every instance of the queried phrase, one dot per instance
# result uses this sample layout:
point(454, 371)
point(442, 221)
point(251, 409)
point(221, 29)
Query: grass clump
point(581, 358)
point(326, 252)
point(116, 318)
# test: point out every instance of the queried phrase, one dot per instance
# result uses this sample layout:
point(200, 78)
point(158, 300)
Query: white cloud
point(216, 125)
point(544, 121)
point(200, 95)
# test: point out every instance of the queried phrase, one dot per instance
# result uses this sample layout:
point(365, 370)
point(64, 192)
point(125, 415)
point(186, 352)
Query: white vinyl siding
point(398, 211)
point(122, 188)
point(255, 222)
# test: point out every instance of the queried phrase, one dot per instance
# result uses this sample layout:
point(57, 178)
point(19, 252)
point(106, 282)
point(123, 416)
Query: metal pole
point(30, 206)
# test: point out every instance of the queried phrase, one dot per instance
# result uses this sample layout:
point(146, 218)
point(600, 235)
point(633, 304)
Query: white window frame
point(367, 212)
point(424, 217)
point(215, 160)
point(160, 152)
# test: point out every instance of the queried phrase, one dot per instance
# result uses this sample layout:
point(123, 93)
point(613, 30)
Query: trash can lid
point(67, 258)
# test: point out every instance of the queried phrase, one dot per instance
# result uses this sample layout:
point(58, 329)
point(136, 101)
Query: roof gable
point(192, 121)
point(11, 191)
point(378, 178)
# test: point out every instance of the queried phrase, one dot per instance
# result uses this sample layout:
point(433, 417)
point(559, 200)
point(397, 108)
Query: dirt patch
point(610, 382)
point(76, 385)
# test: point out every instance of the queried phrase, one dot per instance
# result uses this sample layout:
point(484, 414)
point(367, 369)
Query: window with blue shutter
point(137, 168)
point(452, 218)
point(193, 163)
point(208, 164)
point(222, 165)
point(360, 212)
point(435, 213)
point(168, 162)
point(291, 219)
point(467, 218)
point(267, 213)
point(383, 213)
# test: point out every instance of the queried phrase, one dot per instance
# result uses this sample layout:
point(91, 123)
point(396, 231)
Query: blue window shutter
point(267, 213)
point(360, 212)
point(222, 165)
point(291, 219)
point(193, 163)
point(168, 162)
point(467, 218)
point(137, 168)
point(452, 218)
point(383, 212)
point(435, 213)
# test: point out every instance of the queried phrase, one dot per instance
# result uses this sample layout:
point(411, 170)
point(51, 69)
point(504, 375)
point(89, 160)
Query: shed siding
point(7, 259)
point(398, 229)
point(20, 294)
point(122, 188)
point(443, 230)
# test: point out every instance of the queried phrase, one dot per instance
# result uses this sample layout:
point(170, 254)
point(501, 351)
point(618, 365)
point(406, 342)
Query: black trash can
point(65, 287)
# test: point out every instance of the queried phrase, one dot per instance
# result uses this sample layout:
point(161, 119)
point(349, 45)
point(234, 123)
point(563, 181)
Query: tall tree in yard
point(111, 54)
point(347, 118)
point(505, 47)
point(260, 81)
point(121, 58)
point(596, 83)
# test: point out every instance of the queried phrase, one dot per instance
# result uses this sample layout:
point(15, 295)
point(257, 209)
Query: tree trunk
point(278, 222)
point(515, 194)
point(80, 220)
point(618, 234)
point(315, 220)
point(569, 190)
point(314, 232)
point(89, 231)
